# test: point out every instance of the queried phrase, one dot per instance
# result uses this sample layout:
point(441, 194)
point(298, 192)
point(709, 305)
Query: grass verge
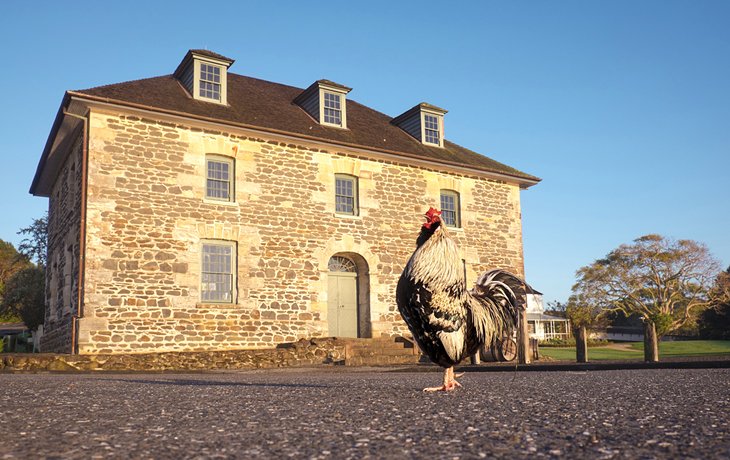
point(635, 350)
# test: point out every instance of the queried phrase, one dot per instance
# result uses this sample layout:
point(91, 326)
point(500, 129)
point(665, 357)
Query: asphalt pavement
point(338, 413)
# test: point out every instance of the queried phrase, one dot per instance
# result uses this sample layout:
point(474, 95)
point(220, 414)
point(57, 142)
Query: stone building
point(205, 210)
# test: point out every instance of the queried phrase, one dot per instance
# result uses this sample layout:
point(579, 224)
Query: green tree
point(660, 279)
point(714, 322)
point(585, 314)
point(35, 245)
point(22, 284)
point(10, 262)
point(24, 296)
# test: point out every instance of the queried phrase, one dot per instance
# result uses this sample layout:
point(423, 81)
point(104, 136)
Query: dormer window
point(425, 122)
point(332, 109)
point(210, 81)
point(431, 129)
point(326, 102)
point(204, 74)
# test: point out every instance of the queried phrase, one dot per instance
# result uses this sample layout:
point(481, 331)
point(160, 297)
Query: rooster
point(448, 322)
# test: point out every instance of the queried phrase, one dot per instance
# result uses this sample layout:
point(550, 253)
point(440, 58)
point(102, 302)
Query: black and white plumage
point(447, 321)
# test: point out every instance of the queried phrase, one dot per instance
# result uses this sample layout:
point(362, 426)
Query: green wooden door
point(342, 304)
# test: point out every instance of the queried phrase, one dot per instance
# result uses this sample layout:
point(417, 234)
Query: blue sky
point(622, 107)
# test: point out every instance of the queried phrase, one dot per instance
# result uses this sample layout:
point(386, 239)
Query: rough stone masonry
point(147, 216)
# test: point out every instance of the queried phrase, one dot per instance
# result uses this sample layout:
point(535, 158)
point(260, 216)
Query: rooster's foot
point(450, 383)
point(451, 387)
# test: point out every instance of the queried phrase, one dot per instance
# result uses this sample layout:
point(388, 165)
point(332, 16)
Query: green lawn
point(635, 350)
point(689, 347)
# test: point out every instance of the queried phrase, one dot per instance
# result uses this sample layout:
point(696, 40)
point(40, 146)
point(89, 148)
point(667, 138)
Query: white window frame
point(355, 192)
point(232, 272)
point(231, 180)
point(457, 205)
point(440, 128)
point(197, 80)
point(336, 110)
point(343, 106)
point(217, 85)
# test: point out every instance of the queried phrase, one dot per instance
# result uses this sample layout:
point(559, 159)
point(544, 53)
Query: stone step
point(368, 346)
point(381, 352)
point(374, 340)
point(382, 360)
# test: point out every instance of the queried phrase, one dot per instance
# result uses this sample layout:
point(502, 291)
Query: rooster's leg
point(453, 384)
point(450, 382)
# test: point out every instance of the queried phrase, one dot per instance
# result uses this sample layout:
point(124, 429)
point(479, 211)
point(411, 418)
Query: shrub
point(570, 342)
point(714, 323)
point(24, 296)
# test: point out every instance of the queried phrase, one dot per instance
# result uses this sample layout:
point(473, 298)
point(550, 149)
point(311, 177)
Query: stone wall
point(63, 252)
point(147, 216)
point(301, 353)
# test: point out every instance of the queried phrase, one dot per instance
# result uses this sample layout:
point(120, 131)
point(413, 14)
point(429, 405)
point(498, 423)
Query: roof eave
point(49, 143)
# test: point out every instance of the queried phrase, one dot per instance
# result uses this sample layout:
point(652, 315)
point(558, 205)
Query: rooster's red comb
point(432, 212)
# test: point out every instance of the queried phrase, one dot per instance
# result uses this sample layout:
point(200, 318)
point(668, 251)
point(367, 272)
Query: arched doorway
point(348, 291)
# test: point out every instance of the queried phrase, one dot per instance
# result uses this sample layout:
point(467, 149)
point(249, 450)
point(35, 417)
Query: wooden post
point(651, 347)
point(581, 345)
point(523, 339)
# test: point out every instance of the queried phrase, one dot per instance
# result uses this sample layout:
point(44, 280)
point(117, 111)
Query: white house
point(541, 326)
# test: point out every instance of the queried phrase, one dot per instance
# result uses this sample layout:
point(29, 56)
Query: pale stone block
point(97, 122)
point(86, 326)
point(349, 166)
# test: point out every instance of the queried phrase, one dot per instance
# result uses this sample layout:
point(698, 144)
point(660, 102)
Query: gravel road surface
point(367, 413)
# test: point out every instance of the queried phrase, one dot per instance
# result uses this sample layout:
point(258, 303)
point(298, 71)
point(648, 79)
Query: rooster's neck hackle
point(437, 263)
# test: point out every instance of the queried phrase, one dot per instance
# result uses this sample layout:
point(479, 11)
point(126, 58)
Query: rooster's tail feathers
point(502, 296)
point(502, 285)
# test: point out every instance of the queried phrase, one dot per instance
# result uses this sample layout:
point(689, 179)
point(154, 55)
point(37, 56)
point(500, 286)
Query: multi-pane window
point(210, 81)
point(431, 129)
point(450, 208)
point(216, 277)
point(345, 194)
point(219, 179)
point(332, 109)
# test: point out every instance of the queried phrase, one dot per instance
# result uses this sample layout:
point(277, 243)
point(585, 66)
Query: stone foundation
point(301, 353)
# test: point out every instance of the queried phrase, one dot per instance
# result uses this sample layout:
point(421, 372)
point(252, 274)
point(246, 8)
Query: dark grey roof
point(263, 104)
